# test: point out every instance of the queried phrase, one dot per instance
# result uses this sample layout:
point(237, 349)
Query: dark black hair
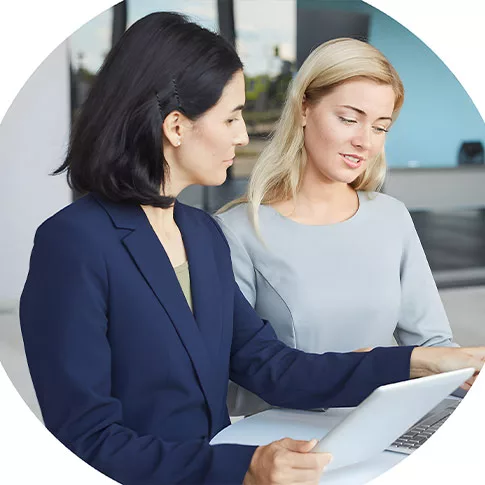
point(162, 63)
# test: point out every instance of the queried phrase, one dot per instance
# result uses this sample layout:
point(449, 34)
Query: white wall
point(438, 189)
point(33, 139)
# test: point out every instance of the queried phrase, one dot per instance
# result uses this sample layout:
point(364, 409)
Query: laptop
point(385, 415)
point(419, 433)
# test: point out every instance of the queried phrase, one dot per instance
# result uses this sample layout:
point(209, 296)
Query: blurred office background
point(435, 150)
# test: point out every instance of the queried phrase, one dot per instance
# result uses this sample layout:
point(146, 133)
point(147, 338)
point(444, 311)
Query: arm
point(64, 324)
point(288, 377)
point(242, 264)
point(241, 402)
point(422, 319)
point(291, 378)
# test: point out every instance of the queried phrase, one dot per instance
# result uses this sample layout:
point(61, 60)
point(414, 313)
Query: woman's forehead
point(233, 95)
point(363, 94)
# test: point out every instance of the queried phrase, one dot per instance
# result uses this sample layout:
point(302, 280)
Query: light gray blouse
point(338, 287)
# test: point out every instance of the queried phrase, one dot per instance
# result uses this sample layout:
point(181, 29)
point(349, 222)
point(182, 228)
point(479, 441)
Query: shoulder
point(384, 204)
point(235, 222)
point(235, 217)
point(389, 214)
point(238, 227)
point(196, 216)
point(82, 222)
point(238, 221)
point(201, 218)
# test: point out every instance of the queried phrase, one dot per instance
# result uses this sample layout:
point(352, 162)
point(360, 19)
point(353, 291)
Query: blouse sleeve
point(242, 264)
point(422, 319)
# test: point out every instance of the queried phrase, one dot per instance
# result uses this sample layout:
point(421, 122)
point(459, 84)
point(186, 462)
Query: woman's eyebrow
point(238, 108)
point(362, 112)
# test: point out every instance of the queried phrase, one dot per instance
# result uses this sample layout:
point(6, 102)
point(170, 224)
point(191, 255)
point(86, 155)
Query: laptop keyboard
point(415, 436)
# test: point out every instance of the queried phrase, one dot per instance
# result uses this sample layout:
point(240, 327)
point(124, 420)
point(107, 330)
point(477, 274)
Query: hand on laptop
point(286, 462)
point(427, 361)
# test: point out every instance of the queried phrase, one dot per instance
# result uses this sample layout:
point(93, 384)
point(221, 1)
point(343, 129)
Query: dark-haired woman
point(131, 318)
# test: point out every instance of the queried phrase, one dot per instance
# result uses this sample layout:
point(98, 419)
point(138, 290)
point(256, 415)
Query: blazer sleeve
point(288, 377)
point(64, 320)
point(422, 319)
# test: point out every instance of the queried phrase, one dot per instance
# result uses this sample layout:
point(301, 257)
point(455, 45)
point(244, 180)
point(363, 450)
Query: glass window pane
point(265, 40)
point(88, 46)
point(204, 12)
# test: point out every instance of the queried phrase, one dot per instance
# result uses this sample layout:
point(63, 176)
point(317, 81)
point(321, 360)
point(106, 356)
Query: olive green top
point(183, 275)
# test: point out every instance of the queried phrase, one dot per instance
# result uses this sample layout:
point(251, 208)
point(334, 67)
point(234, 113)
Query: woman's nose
point(362, 139)
point(242, 138)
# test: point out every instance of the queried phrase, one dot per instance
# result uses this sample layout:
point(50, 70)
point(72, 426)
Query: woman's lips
point(352, 161)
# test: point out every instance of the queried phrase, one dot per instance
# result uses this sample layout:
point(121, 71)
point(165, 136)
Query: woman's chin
point(213, 182)
point(219, 179)
point(347, 176)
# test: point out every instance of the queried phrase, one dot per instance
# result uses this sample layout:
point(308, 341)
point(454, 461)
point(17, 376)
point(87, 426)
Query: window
point(204, 12)
point(88, 46)
point(265, 40)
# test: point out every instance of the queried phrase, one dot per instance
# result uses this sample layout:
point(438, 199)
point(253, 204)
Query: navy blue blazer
point(133, 382)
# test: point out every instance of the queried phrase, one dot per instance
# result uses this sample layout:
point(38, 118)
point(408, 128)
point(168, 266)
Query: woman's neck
point(320, 201)
point(168, 233)
point(161, 220)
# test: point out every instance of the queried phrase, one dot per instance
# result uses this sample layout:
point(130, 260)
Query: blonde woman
point(330, 262)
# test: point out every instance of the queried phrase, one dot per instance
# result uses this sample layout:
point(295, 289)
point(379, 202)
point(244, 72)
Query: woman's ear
point(304, 111)
point(173, 128)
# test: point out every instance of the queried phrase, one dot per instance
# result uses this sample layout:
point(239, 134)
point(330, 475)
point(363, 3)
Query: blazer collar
point(123, 215)
point(200, 332)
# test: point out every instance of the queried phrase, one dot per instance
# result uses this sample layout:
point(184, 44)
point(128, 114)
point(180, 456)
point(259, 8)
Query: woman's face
point(207, 146)
point(346, 129)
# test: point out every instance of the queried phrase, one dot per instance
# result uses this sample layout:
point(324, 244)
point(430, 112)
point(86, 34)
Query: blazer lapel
point(155, 266)
point(204, 279)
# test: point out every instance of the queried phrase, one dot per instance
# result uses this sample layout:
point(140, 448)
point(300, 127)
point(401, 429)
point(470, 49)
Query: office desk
point(274, 424)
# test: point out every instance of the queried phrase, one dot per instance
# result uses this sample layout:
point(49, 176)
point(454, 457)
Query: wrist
point(249, 478)
point(422, 364)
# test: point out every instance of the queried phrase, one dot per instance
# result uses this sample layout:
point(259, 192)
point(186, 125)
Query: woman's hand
point(286, 462)
point(426, 361)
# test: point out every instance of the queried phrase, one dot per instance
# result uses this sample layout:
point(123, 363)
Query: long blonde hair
point(277, 174)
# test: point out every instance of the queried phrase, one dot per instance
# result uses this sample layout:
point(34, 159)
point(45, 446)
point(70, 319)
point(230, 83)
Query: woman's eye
point(380, 129)
point(347, 120)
